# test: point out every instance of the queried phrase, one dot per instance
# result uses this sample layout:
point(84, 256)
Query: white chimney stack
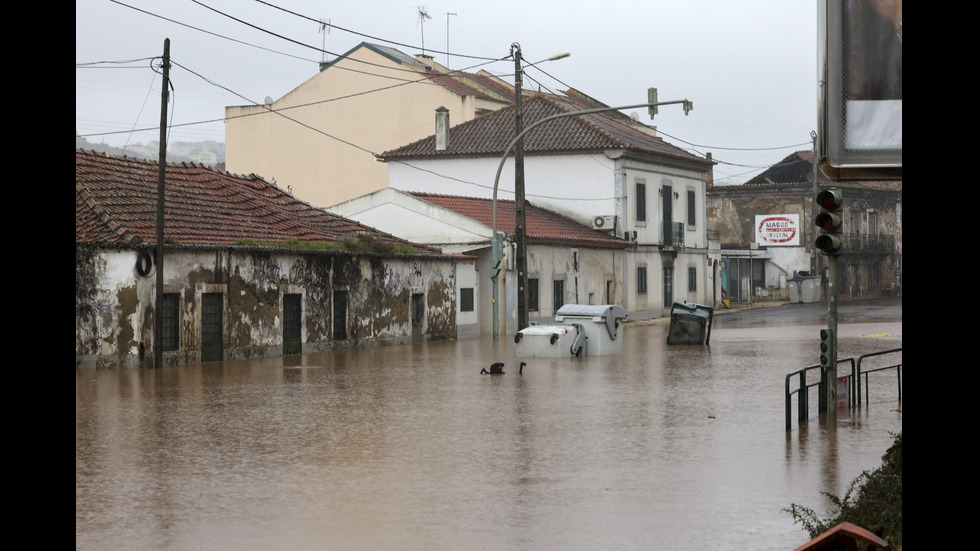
point(442, 128)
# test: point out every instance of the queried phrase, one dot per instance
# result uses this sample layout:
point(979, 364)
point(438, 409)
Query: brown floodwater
point(410, 447)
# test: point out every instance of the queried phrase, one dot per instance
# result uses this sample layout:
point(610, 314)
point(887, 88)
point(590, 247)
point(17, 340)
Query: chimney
point(442, 128)
point(710, 180)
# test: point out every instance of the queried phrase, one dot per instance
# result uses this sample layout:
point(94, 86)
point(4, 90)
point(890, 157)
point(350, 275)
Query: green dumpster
point(690, 323)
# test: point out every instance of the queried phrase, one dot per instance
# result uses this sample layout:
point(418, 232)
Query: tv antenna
point(325, 30)
point(423, 15)
point(447, 37)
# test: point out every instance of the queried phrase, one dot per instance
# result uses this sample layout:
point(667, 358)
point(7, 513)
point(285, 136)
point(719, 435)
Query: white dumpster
point(579, 330)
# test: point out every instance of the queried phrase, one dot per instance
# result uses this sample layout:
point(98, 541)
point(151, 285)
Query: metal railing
point(672, 234)
point(868, 243)
point(802, 391)
point(897, 367)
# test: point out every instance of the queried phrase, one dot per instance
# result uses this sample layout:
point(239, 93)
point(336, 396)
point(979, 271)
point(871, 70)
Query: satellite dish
point(268, 100)
point(634, 116)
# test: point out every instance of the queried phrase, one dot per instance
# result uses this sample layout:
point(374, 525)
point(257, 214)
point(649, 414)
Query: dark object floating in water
point(496, 368)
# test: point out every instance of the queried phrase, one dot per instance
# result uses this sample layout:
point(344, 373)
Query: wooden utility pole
point(520, 216)
point(161, 185)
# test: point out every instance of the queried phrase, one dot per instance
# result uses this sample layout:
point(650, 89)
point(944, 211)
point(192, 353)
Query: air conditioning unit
point(607, 222)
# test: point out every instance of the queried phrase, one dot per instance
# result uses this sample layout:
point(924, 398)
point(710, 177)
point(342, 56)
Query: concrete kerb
point(651, 317)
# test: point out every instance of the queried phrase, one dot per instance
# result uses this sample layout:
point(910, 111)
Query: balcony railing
point(672, 234)
point(866, 243)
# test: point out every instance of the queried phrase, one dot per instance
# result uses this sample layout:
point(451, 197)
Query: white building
point(602, 170)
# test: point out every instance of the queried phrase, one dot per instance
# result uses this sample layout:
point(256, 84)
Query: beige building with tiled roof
point(320, 139)
point(248, 270)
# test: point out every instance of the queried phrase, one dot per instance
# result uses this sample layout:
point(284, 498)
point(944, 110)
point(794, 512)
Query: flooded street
point(410, 447)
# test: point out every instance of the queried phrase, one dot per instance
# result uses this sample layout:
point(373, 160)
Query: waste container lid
point(593, 311)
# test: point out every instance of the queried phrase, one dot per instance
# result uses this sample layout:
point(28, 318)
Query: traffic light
point(830, 219)
point(828, 347)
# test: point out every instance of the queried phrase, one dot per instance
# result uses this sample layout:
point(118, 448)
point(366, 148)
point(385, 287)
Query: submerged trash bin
point(579, 330)
point(690, 323)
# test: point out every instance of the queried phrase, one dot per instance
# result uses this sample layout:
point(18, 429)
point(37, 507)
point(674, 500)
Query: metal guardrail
point(897, 367)
point(802, 390)
point(803, 395)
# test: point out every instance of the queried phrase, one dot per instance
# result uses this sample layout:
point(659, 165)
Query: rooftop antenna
point(325, 30)
point(447, 37)
point(423, 15)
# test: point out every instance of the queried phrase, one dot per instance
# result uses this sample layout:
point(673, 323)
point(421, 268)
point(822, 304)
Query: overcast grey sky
point(748, 67)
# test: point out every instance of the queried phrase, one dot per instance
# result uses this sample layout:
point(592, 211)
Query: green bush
point(872, 501)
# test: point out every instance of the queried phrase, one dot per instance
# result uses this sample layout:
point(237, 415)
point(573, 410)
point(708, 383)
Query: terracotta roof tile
point(116, 197)
point(491, 134)
point(542, 225)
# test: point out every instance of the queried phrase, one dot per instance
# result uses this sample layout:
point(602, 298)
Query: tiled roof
point(489, 136)
point(460, 85)
point(116, 197)
point(796, 169)
point(542, 225)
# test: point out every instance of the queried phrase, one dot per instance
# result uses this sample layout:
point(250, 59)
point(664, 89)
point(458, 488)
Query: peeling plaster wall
point(114, 308)
point(732, 210)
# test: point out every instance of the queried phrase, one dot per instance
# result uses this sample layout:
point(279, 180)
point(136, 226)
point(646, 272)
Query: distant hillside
point(210, 154)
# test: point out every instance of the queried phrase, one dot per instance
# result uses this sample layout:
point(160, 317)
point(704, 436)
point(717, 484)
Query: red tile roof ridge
point(116, 202)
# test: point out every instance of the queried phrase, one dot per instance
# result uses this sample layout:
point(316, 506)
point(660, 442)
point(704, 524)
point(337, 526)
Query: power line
point(328, 24)
point(208, 32)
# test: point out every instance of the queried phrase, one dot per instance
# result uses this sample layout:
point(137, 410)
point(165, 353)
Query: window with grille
point(532, 294)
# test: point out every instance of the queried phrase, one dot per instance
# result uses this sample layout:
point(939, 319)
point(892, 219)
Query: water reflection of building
point(249, 271)
point(871, 263)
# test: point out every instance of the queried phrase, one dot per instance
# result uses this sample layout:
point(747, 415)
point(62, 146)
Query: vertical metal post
point(520, 216)
point(161, 184)
point(832, 325)
point(495, 273)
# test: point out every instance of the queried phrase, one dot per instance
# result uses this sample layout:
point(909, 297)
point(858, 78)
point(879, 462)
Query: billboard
point(860, 111)
point(777, 230)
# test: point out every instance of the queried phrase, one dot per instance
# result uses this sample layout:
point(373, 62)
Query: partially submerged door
point(212, 319)
point(418, 314)
point(292, 335)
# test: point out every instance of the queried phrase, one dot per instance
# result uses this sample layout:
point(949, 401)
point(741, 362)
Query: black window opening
point(692, 278)
point(641, 279)
point(170, 313)
point(532, 294)
point(691, 208)
point(466, 299)
point(558, 294)
point(641, 202)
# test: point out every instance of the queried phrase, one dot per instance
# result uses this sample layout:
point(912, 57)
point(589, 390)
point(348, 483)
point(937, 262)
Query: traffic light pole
point(830, 241)
point(832, 325)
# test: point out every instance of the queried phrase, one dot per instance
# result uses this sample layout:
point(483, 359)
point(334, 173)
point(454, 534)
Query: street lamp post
point(495, 243)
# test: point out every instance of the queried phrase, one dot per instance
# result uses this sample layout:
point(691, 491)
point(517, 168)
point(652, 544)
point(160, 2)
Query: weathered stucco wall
point(114, 306)
point(869, 212)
